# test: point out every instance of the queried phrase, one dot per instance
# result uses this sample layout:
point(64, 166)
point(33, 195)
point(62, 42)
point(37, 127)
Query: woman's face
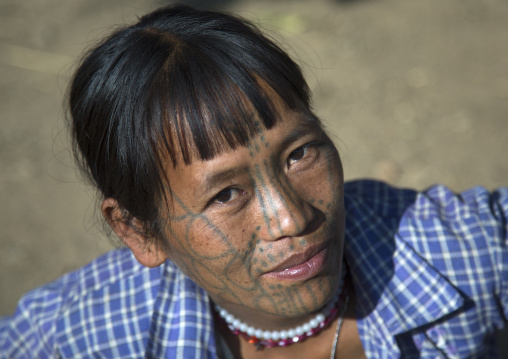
point(261, 227)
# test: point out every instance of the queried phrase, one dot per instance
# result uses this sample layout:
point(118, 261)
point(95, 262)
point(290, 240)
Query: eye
point(298, 154)
point(226, 195)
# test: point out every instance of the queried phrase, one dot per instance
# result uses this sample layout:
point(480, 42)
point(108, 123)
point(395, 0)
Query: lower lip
point(306, 270)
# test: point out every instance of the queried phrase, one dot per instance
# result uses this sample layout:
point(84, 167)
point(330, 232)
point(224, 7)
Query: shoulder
point(80, 305)
point(405, 245)
point(473, 222)
point(370, 201)
point(379, 196)
point(440, 202)
point(463, 236)
point(436, 199)
point(114, 272)
point(438, 207)
point(438, 223)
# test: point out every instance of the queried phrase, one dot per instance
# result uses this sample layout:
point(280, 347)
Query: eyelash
point(215, 200)
point(237, 192)
point(306, 148)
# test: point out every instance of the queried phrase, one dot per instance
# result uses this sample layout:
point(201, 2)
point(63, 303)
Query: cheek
point(207, 253)
point(198, 237)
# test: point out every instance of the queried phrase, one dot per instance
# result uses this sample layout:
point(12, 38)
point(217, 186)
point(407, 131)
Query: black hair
point(181, 83)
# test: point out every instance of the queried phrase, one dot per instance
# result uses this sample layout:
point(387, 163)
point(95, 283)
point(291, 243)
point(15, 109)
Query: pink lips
point(303, 269)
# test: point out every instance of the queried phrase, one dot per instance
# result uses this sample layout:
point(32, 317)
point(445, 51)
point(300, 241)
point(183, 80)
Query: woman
point(198, 132)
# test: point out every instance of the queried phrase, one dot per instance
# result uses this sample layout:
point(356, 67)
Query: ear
point(146, 252)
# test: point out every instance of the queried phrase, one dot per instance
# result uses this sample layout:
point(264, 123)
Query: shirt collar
point(395, 286)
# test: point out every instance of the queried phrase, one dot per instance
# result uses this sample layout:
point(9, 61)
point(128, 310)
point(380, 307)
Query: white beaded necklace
point(283, 338)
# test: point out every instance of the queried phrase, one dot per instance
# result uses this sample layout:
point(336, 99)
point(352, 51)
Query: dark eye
point(297, 154)
point(226, 195)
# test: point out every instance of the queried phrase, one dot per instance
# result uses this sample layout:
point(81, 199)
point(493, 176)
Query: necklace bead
point(283, 338)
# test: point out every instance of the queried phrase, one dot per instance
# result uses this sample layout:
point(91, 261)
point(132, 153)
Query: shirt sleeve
point(30, 332)
point(499, 205)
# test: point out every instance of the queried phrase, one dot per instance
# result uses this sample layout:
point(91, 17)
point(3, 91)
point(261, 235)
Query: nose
point(282, 210)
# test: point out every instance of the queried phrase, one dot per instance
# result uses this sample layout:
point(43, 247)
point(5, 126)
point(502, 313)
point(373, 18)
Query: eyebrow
point(221, 176)
point(302, 130)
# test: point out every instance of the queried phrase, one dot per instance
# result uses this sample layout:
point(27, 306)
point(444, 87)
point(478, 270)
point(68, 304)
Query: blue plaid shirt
point(430, 272)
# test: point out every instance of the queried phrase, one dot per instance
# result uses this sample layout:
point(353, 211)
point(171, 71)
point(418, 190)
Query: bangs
point(211, 113)
point(208, 101)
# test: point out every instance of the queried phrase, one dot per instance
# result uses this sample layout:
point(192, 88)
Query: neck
point(318, 346)
point(282, 338)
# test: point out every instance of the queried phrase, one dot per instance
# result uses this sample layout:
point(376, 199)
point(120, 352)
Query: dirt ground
point(414, 93)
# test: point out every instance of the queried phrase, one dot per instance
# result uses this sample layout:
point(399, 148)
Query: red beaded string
point(269, 343)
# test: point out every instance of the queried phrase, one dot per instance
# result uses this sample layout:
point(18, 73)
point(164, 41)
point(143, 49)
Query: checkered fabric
point(430, 272)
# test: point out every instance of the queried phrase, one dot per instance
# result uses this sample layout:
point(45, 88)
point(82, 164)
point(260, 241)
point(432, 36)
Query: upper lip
point(298, 258)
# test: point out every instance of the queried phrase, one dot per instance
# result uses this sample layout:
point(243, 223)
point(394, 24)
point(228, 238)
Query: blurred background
point(413, 92)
